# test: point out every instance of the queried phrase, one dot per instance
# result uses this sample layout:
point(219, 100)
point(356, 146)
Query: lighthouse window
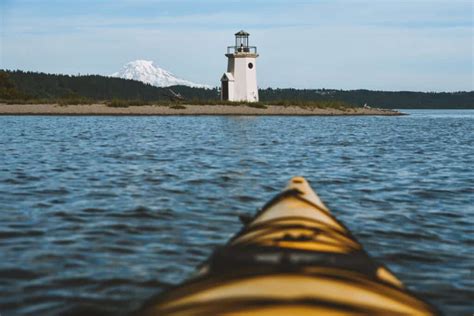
point(250, 65)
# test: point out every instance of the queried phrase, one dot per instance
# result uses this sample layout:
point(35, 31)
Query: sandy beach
point(102, 109)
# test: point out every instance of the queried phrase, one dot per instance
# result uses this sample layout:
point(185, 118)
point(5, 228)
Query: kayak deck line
point(292, 258)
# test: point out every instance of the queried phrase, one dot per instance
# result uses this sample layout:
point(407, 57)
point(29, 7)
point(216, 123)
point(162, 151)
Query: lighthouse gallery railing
point(241, 49)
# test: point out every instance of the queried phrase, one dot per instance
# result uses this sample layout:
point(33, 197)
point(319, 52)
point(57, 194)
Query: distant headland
point(42, 94)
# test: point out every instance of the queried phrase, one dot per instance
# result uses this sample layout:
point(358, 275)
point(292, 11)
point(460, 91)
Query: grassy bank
point(120, 103)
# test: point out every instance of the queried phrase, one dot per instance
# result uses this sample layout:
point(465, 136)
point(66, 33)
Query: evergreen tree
point(33, 85)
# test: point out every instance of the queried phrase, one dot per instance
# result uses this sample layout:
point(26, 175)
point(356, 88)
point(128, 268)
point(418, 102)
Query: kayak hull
point(292, 258)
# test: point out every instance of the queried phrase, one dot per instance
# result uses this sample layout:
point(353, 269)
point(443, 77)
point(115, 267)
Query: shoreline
point(191, 110)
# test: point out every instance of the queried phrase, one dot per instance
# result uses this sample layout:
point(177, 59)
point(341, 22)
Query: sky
point(416, 45)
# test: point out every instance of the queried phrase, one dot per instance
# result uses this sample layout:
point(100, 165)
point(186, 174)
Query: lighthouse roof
point(242, 33)
point(227, 76)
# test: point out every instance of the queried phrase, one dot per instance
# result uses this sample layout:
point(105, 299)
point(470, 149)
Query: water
point(99, 213)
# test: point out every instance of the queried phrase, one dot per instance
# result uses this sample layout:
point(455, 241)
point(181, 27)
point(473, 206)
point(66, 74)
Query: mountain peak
point(147, 72)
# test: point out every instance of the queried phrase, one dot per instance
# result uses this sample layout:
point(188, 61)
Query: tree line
point(15, 85)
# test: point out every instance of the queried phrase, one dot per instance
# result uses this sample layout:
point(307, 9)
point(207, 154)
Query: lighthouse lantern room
point(239, 83)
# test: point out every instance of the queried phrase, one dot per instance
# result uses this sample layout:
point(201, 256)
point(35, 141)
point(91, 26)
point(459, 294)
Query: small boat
point(292, 258)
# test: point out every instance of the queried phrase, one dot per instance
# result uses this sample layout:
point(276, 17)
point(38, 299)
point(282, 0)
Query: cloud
point(392, 45)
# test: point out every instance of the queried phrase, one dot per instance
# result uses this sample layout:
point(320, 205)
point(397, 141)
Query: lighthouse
point(239, 83)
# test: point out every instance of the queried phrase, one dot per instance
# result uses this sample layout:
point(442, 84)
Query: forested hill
point(44, 86)
point(19, 84)
point(381, 99)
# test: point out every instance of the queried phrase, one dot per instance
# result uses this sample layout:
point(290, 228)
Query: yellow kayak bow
point(293, 258)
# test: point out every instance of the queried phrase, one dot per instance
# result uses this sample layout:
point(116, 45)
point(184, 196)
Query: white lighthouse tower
point(239, 83)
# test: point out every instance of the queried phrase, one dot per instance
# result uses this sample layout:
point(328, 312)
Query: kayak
point(292, 258)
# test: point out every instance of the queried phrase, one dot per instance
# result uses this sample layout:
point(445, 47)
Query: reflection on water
point(99, 213)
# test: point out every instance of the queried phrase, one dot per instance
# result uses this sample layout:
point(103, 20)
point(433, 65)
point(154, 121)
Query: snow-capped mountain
point(145, 71)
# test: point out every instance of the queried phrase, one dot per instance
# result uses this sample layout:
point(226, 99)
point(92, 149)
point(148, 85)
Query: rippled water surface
point(99, 213)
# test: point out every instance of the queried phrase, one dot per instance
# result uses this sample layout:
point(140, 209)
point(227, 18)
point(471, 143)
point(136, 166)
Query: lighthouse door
point(225, 90)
